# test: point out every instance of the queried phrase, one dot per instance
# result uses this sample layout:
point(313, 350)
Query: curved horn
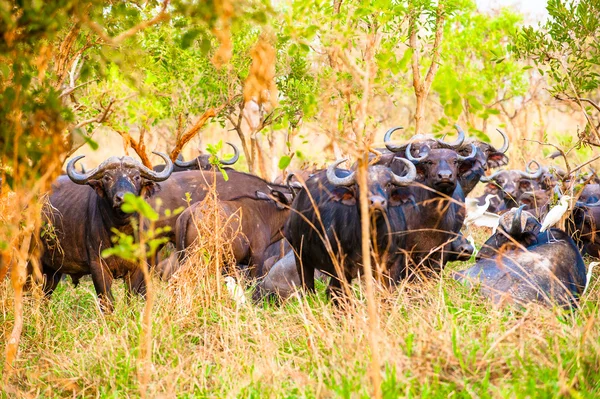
point(584, 204)
point(504, 147)
point(515, 227)
point(157, 176)
point(339, 181)
point(409, 177)
point(470, 156)
point(387, 138)
point(234, 158)
point(487, 179)
point(529, 174)
point(413, 159)
point(82, 178)
point(456, 143)
point(186, 164)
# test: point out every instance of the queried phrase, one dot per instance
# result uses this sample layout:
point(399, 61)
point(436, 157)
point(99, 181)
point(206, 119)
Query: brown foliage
point(260, 83)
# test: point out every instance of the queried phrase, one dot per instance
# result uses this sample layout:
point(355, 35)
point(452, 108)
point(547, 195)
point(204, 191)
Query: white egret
point(589, 276)
point(235, 291)
point(556, 213)
point(478, 215)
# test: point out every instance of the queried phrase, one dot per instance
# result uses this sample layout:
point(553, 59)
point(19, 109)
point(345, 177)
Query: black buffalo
point(81, 213)
point(324, 228)
point(250, 224)
point(584, 222)
point(528, 266)
point(200, 162)
point(435, 202)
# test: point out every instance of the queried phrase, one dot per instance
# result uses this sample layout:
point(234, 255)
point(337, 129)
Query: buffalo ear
point(97, 186)
point(343, 195)
point(283, 198)
point(496, 159)
point(149, 188)
point(401, 196)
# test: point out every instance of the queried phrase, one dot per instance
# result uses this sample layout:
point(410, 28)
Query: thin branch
point(585, 163)
point(193, 131)
point(562, 153)
point(99, 118)
point(100, 31)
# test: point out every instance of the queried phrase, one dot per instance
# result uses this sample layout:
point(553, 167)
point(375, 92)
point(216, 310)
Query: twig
point(100, 31)
point(562, 153)
point(586, 163)
point(99, 118)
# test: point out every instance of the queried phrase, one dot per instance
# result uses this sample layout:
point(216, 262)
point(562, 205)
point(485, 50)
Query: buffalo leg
point(102, 279)
point(335, 290)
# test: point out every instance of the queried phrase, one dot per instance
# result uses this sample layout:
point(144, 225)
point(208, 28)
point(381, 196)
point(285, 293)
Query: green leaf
point(284, 162)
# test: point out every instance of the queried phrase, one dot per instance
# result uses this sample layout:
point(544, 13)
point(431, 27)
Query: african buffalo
point(252, 224)
point(435, 201)
point(528, 266)
point(584, 222)
point(200, 162)
point(511, 185)
point(81, 213)
point(324, 227)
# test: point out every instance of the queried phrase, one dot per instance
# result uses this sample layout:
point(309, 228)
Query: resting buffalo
point(528, 266)
point(324, 227)
point(584, 221)
point(81, 212)
point(252, 225)
point(436, 210)
point(200, 162)
point(515, 187)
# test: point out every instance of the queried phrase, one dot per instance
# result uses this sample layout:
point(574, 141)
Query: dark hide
point(508, 237)
point(258, 221)
point(584, 222)
point(434, 213)
point(198, 183)
point(79, 222)
point(548, 272)
point(338, 207)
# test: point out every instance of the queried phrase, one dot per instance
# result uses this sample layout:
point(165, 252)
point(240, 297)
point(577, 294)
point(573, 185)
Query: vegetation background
point(294, 83)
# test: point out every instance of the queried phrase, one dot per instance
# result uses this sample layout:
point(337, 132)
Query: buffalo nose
point(445, 175)
point(377, 202)
point(118, 200)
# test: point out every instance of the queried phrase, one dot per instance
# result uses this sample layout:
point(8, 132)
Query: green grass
point(435, 340)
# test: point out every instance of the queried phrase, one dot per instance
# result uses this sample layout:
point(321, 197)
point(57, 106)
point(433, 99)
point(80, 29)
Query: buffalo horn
point(409, 177)
point(339, 181)
point(82, 178)
point(157, 176)
point(471, 156)
point(504, 147)
point(456, 143)
point(387, 138)
point(487, 179)
point(529, 174)
point(515, 227)
point(413, 159)
point(194, 162)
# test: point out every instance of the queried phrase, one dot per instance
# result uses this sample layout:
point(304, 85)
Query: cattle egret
point(556, 213)
point(472, 242)
point(478, 215)
point(589, 276)
point(235, 291)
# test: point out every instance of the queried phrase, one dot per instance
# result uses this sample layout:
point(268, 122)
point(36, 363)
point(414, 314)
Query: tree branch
point(100, 31)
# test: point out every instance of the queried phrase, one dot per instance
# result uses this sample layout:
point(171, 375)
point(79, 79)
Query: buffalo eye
point(137, 178)
point(106, 178)
point(525, 184)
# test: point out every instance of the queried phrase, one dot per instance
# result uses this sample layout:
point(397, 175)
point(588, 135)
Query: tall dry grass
point(435, 339)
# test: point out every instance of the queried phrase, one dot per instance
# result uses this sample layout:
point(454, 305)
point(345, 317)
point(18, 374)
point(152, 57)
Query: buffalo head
point(115, 177)
point(382, 185)
point(203, 161)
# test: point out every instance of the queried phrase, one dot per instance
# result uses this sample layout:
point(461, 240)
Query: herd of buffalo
point(308, 226)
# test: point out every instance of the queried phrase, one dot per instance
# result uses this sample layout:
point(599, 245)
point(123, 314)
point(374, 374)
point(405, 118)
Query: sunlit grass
point(436, 340)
